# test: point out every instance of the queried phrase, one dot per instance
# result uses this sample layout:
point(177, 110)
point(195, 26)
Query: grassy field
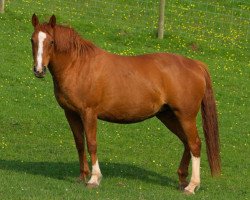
point(38, 159)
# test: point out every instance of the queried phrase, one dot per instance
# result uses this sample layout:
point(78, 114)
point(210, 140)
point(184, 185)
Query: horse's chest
point(65, 100)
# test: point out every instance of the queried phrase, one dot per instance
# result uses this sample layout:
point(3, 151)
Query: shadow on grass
point(65, 171)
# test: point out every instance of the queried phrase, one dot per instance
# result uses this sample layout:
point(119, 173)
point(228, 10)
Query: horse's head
point(42, 44)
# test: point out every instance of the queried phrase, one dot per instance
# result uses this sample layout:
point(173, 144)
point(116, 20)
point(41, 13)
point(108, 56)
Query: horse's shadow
point(66, 171)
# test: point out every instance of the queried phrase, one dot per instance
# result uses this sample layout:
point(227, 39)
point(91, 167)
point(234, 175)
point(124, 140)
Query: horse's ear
point(35, 20)
point(52, 21)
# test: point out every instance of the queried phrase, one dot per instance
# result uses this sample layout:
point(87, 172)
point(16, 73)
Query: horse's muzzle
point(39, 74)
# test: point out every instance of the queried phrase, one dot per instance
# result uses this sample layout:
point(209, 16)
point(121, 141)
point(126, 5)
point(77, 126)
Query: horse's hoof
point(191, 188)
point(182, 186)
point(187, 192)
point(81, 180)
point(92, 185)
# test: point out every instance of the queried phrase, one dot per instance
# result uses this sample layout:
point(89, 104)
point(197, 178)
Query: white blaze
point(41, 38)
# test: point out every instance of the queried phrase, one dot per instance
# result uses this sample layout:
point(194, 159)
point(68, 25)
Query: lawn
point(38, 159)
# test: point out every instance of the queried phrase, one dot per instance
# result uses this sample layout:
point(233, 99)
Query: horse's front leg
point(89, 119)
point(76, 126)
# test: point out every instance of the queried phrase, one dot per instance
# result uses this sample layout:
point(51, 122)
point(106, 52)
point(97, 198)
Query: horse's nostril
point(39, 73)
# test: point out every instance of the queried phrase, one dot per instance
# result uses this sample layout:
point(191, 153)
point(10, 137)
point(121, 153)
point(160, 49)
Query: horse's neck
point(59, 65)
point(69, 64)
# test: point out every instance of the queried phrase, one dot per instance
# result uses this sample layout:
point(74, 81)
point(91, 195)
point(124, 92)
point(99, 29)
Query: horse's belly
point(129, 115)
point(123, 120)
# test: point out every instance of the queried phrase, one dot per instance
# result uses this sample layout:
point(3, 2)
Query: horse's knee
point(92, 147)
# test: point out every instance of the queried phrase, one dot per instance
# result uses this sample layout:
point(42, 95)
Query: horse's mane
point(67, 39)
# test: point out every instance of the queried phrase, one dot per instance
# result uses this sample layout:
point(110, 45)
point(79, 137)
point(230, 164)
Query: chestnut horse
point(92, 84)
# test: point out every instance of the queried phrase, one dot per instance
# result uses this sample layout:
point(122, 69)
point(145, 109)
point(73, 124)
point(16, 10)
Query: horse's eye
point(52, 42)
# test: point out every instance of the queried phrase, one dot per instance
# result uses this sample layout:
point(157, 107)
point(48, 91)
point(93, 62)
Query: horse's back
point(133, 88)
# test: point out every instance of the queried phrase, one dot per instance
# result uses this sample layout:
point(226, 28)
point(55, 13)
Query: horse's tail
point(210, 127)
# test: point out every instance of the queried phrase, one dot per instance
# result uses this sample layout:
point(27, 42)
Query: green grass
point(38, 159)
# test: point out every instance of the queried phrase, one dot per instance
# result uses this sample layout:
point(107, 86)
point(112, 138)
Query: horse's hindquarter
point(186, 83)
point(136, 88)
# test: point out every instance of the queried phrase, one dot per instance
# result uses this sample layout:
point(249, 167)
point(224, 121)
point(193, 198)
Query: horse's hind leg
point(172, 123)
point(77, 129)
point(188, 124)
point(185, 128)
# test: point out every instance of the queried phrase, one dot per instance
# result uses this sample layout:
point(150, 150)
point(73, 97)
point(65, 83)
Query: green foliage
point(38, 159)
